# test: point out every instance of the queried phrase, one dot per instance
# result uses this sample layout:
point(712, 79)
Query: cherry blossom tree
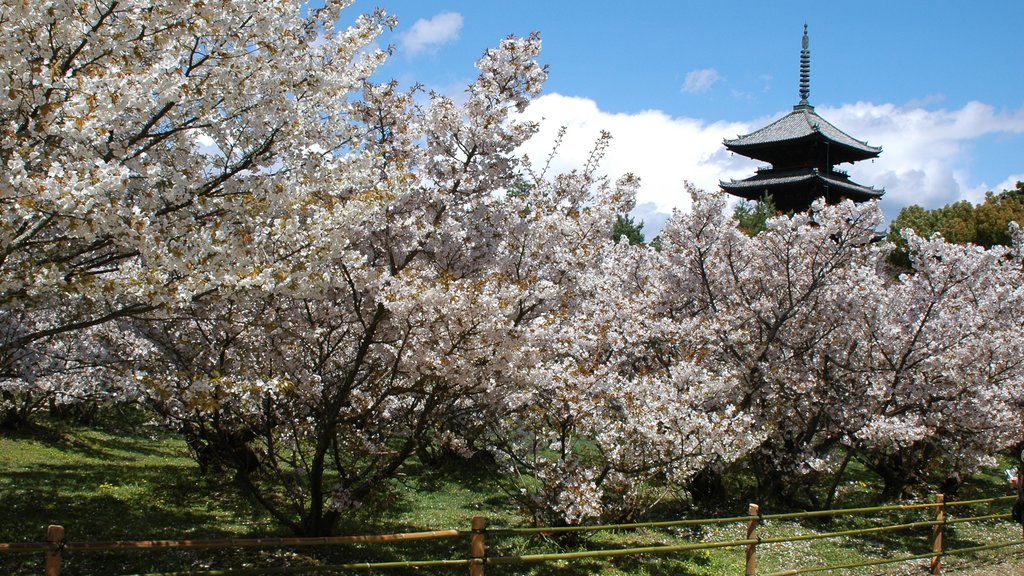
point(937, 371)
point(835, 358)
point(155, 153)
point(612, 409)
point(316, 384)
point(771, 304)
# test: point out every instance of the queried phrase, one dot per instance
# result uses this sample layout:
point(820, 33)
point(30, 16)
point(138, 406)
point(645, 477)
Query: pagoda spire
point(805, 72)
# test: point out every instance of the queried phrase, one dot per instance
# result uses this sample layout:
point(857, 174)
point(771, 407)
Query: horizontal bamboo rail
point(856, 532)
point(632, 526)
point(884, 561)
point(534, 558)
point(888, 508)
point(978, 518)
point(612, 552)
point(412, 564)
point(114, 545)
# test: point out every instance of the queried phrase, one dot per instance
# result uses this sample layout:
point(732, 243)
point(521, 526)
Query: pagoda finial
point(805, 70)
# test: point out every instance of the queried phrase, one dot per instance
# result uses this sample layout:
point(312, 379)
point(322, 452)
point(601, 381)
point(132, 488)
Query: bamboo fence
point(754, 545)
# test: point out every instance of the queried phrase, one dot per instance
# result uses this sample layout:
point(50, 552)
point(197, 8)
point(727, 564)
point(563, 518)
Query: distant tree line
point(986, 224)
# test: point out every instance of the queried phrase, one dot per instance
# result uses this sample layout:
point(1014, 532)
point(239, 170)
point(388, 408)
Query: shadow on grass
point(118, 502)
point(904, 542)
point(99, 444)
point(112, 502)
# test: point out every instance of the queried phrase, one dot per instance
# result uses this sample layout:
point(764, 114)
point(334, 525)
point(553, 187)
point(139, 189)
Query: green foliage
point(957, 223)
point(626, 226)
point(985, 224)
point(518, 188)
point(752, 217)
point(992, 218)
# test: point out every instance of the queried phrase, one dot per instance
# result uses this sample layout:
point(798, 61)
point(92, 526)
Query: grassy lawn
point(115, 485)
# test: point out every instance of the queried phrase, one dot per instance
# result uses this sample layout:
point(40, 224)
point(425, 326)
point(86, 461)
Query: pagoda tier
point(796, 190)
point(799, 136)
point(802, 148)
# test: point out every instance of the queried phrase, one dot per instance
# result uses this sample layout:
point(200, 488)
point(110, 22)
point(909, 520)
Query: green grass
point(103, 484)
point(116, 485)
point(110, 485)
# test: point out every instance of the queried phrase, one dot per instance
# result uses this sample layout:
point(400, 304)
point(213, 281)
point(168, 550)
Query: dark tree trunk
point(708, 486)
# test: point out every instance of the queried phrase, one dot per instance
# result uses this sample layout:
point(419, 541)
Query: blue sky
point(939, 85)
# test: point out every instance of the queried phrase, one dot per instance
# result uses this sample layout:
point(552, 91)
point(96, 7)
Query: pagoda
point(803, 149)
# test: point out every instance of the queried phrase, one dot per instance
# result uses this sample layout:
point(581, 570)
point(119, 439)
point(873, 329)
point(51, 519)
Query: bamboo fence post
point(55, 536)
point(940, 518)
point(477, 546)
point(752, 510)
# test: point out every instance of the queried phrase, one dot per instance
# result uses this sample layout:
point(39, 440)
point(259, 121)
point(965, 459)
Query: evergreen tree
point(752, 216)
point(626, 225)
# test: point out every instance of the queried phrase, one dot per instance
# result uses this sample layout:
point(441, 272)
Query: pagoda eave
point(779, 186)
point(799, 127)
point(838, 152)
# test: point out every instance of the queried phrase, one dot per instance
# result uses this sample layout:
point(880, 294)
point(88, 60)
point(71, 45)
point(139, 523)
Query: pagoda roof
point(803, 123)
point(755, 186)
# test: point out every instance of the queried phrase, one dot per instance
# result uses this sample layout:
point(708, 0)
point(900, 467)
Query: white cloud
point(925, 157)
point(663, 151)
point(653, 219)
point(702, 80)
point(429, 34)
point(1009, 183)
point(741, 95)
point(204, 144)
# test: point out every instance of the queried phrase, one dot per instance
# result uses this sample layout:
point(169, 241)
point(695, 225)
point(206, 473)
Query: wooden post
point(753, 510)
point(477, 546)
point(55, 536)
point(940, 517)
